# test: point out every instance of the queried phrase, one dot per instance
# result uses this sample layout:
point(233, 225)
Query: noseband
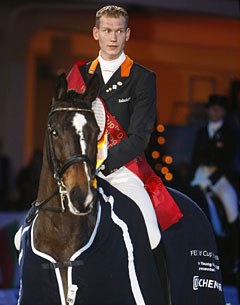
point(59, 170)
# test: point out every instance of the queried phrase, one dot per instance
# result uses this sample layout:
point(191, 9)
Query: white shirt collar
point(213, 127)
point(111, 65)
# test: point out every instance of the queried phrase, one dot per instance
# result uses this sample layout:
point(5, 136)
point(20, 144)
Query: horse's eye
point(54, 133)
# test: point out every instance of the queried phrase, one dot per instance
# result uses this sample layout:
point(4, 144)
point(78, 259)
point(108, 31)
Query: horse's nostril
point(79, 199)
point(77, 195)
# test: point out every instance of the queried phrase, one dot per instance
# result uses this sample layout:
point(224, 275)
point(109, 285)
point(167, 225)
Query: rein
point(58, 171)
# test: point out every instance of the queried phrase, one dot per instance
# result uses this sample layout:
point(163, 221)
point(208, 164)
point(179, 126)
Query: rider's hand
point(204, 184)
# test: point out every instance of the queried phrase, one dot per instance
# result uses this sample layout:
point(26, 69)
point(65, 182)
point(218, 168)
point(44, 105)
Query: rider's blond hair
point(111, 11)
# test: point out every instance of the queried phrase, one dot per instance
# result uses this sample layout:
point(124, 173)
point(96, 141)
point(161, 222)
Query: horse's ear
point(61, 87)
point(92, 89)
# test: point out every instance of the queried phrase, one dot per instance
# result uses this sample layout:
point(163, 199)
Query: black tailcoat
point(219, 151)
point(131, 99)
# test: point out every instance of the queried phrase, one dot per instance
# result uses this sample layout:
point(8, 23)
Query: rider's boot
point(160, 260)
point(234, 246)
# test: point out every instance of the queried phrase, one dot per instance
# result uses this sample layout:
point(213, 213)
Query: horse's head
point(72, 145)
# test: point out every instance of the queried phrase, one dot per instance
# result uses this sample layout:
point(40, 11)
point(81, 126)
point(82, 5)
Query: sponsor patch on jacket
point(124, 100)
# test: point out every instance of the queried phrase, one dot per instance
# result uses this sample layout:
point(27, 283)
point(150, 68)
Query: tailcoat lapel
point(117, 82)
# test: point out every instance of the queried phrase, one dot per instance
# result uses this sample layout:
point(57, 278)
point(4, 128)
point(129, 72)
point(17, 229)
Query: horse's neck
point(60, 234)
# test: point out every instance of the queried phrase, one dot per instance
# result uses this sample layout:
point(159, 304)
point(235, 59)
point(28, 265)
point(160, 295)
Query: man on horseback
point(129, 92)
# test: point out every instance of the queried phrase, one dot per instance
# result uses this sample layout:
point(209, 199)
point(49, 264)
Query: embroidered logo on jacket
point(124, 100)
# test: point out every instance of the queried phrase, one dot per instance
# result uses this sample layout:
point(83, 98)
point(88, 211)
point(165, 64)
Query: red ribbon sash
point(166, 209)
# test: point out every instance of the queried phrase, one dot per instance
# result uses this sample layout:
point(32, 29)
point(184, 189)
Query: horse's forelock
point(73, 96)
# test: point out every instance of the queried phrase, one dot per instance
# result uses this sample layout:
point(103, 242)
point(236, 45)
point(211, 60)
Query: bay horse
point(87, 245)
point(66, 201)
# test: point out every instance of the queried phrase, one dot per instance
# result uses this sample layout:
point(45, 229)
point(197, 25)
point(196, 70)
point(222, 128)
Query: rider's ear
point(92, 90)
point(61, 87)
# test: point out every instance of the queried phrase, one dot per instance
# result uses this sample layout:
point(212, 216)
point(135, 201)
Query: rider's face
point(216, 113)
point(111, 35)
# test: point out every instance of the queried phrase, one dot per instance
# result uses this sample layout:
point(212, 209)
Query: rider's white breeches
point(222, 189)
point(228, 196)
point(130, 185)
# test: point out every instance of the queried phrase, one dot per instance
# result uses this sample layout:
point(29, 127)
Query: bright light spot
point(169, 176)
point(167, 159)
point(155, 154)
point(164, 170)
point(161, 140)
point(160, 128)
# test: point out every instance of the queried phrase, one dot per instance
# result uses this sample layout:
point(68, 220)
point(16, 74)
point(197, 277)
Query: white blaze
point(79, 121)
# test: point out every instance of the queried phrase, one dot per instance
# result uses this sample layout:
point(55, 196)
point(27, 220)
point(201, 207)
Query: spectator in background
point(27, 181)
point(212, 167)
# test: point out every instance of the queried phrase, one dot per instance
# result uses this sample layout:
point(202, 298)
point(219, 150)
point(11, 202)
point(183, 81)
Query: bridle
point(58, 170)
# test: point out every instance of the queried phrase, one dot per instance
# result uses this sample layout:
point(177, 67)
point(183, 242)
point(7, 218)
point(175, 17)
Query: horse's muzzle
point(81, 202)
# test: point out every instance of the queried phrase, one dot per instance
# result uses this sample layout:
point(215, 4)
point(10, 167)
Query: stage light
point(160, 128)
point(164, 170)
point(155, 154)
point(161, 140)
point(169, 176)
point(167, 159)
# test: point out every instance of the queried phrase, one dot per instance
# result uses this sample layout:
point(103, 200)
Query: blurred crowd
point(17, 193)
point(211, 177)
